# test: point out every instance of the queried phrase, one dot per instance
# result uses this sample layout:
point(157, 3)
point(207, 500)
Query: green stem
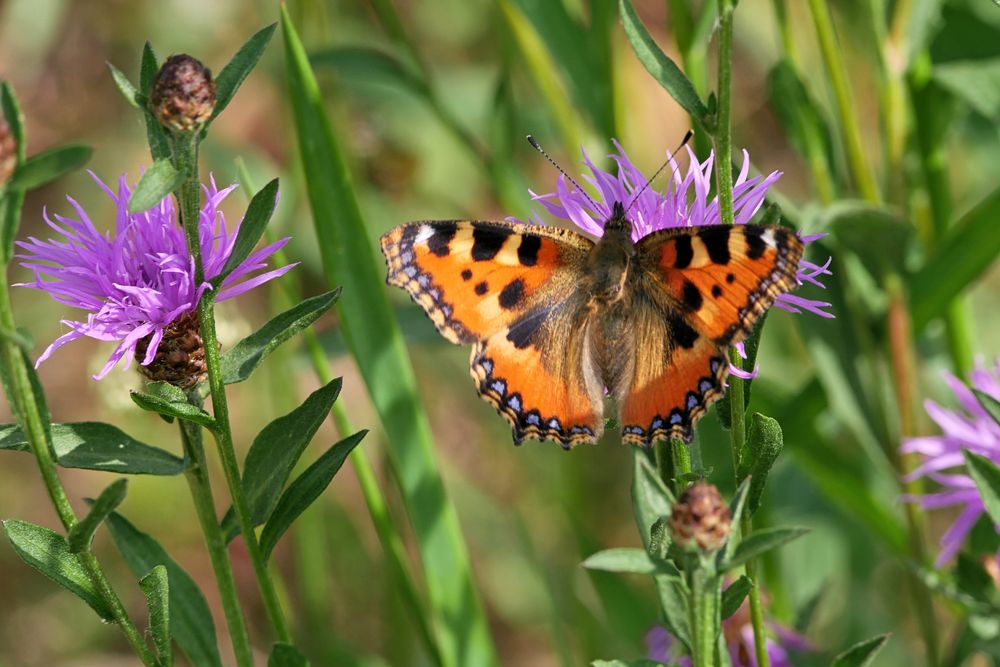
point(201, 493)
point(189, 199)
point(31, 421)
point(703, 614)
point(863, 176)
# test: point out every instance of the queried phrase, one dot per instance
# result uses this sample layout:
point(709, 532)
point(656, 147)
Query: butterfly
point(557, 321)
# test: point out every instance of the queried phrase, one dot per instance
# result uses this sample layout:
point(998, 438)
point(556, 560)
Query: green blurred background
point(531, 514)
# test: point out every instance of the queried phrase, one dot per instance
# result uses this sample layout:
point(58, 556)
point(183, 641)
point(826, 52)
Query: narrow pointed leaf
point(673, 601)
point(662, 68)
point(990, 404)
point(82, 534)
point(156, 135)
point(178, 409)
point(251, 229)
point(733, 596)
point(125, 87)
point(301, 493)
point(242, 359)
point(98, 446)
point(286, 655)
point(650, 497)
point(236, 70)
point(736, 508)
point(148, 67)
point(45, 167)
point(628, 560)
point(48, 552)
point(156, 587)
point(156, 183)
point(761, 542)
point(862, 654)
point(12, 201)
point(987, 477)
point(369, 66)
point(190, 621)
point(764, 443)
point(377, 346)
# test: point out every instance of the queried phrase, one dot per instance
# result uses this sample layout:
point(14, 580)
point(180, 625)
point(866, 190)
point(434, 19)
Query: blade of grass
point(377, 346)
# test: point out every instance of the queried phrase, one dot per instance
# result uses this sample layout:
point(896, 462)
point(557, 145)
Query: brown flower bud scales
point(183, 95)
point(700, 519)
point(180, 357)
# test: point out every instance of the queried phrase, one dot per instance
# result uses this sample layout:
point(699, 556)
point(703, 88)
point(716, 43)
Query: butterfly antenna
point(537, 147)
point(670, 158)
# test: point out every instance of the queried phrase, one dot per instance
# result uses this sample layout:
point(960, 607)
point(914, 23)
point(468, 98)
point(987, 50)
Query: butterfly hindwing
point(476, 278)
point(722, 278)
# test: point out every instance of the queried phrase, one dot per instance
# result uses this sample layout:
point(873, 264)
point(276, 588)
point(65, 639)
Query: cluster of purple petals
point(137, 280)
point(684, 203)
point(969, 427)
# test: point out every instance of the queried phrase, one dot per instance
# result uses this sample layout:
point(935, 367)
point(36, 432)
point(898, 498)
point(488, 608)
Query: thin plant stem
point(862, 173)
point(724, 180)
point(30, 416)
point(201, 493)
point(703, 614)
point(185, 157)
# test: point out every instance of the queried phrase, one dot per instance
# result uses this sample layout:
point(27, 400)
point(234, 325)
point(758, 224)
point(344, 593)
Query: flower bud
point(180, 357)
point(183, 95)
point(700, 519)
point(8, 151)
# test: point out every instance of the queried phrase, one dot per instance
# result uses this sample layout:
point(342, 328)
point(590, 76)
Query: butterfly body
point(559, 321)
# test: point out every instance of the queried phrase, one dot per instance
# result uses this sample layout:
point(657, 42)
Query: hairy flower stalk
point(970, 427)
point(684, 202)
point(138, 283)
point(183, 95)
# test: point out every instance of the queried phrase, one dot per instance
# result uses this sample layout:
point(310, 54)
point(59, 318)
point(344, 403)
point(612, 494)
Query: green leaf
point(243, 359)
point(21, 337)
point(375, 342)
point(733, 596)
point(968, 249)
point(879, 237)
point(990, 404)
point(651, 498)
point(98, 446)
point(760, 542)
point(276, 450)
point(674, 602)
point(190, 620)
point(798, 113)
point(13, 200)
point(303, 491)
point(148, 67)
point(37, 393)
point(251, 229)
point(11, 110)
point(82, 534)
point(125, 87)
point(156, 183)
point(47, 166)
point(987, 477)
point(156, 587)
point(369, 65)
point(236, 70)
point(628, 560)
point(156, 134)
point(286, 655)
point(48, 552)
point(662, 68)
point(180, 409)
point(861, 654)
point(977, 82)
point(763, 444)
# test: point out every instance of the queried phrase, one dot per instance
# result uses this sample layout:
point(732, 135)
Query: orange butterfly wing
point(709, 286)
point(510, 289)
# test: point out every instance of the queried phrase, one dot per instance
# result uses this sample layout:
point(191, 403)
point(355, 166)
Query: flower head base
point(183, 95)
point(139, 282)
point(8, 151)
point(971, 428)
point(700, 519)
point(684, 203)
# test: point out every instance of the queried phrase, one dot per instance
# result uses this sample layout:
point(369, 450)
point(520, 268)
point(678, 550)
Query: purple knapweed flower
point(684, 203)
point(971, 428)
point(138, 280)
point(662, 647)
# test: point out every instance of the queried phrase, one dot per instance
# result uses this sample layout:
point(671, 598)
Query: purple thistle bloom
point(140, 279)
point(685, 203)
point(969, 428)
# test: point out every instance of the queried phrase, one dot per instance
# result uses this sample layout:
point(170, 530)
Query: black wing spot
point(527, 252)
point(716, 291)
point(684, 252)
point(440, 241)
point(466, 275)
point(716, 240)
point(681, 332)
point(755, 244)
point(730, 278)
point(512, 294)
point(692, 296)
point(482, 288)
point(487, 241)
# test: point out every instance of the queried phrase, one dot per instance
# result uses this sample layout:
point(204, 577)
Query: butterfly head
point(618, 223)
